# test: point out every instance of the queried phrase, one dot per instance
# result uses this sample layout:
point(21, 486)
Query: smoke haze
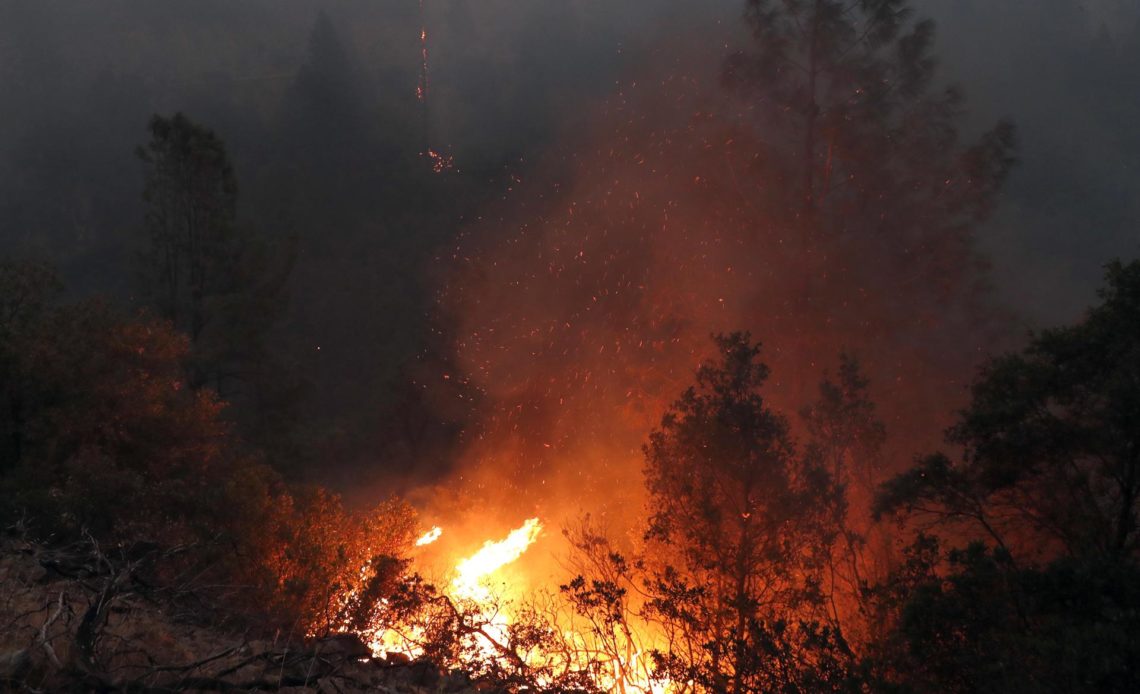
point(526, 275)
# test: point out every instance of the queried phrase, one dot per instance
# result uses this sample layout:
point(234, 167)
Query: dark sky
point(1068, 73)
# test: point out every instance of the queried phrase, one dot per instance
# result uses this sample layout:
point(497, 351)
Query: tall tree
point(330, 108)
point(746, 523)
point(860, 157)
point(210, 277)
point(329, 86)
point(852, 86)
point(844, 427)
point(219, 283)
point(846, 437)
point(191, 196)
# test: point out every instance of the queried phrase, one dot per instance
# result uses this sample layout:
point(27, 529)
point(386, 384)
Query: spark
point(422, 87)
point(440, 162)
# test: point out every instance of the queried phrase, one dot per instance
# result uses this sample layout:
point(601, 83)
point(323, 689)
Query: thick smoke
point(541, 92)
point(581, 306)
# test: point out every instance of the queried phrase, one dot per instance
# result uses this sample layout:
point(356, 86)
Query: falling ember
point(471, 572)
point(422, 86)
point(440, 162)
point(429, 537)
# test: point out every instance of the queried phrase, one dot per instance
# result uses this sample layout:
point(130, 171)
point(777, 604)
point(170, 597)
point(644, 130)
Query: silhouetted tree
point(1050, 442)
point(857, 157)
point(751, 565)
point(328, 119)
point(215, 280)
point(1048, 477)
point(191, 196)
point(853, 86)
point(843, 426)
point(974, 620)
point(328, 92)
point(743, 524)
point(846, 437)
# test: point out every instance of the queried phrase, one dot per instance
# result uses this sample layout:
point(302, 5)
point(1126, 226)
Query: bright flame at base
point(429, 537)
point(472, 571)
point(469, 585)
point(628, 672)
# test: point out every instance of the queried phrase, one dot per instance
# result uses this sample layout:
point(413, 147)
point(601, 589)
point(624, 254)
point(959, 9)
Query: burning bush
point(329, 566)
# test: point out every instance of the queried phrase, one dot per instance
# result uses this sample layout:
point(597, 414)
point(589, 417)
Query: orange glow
point(483, 593)
point(579, 317)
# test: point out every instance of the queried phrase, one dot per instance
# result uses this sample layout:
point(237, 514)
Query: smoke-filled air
point(655, 347)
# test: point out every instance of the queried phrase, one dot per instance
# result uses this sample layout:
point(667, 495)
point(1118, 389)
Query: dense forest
point(806, 363)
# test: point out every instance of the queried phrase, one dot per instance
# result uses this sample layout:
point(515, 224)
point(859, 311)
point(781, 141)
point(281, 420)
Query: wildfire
point(624, 668)
point(471, 573)
point(470, 586)
point(429, 537)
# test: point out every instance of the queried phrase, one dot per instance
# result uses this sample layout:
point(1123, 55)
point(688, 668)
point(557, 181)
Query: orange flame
point(429, 537)
point(472, 572)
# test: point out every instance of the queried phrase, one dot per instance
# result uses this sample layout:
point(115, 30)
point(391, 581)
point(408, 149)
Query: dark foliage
point(1051, 440)
point(217, 282)
point(1048, 477)
point(742, 525)
point(988, 625)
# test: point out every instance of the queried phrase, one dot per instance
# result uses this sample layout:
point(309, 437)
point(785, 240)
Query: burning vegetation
point(694, 353)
